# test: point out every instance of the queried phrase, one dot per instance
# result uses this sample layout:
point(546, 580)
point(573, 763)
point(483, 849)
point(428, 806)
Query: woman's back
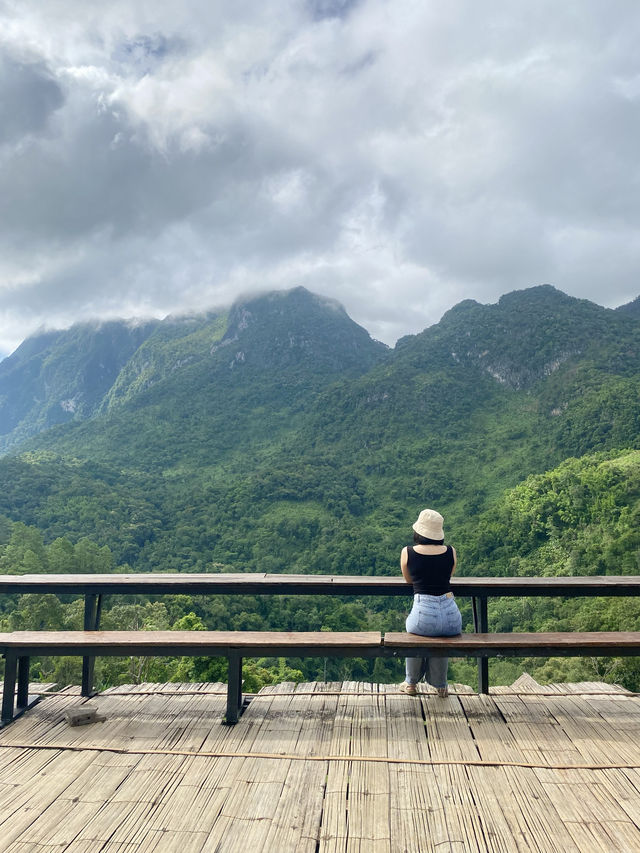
point(430, 572)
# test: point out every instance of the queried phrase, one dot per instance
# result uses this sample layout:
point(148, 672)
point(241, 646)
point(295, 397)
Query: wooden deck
point(326, 767)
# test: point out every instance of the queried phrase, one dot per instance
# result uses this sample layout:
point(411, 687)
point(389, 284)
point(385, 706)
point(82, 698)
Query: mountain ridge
point(322, 464)
point(60, 377)
point(57, 377)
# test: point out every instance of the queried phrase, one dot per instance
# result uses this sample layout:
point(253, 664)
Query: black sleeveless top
point(430, 573)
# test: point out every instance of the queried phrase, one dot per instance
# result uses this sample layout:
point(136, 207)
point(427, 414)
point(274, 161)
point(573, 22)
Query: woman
point(428, 565)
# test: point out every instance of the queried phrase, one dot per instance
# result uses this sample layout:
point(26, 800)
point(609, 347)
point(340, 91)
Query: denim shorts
point(434, 616)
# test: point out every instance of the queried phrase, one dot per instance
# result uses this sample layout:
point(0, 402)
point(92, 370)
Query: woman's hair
point(422, 540)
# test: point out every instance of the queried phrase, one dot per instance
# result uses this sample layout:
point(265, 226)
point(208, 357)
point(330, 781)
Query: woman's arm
point(404, 565)
point(455, 559)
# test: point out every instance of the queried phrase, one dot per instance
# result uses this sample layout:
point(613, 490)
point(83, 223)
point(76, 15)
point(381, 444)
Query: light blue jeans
point(432, 616)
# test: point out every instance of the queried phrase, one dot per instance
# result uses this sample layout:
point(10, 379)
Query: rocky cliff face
point(59, 376)
point(296, 328)
point(526, 336)
point(292, 337)
point(176, 344)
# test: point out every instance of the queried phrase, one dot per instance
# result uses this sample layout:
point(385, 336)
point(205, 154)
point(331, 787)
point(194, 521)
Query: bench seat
point(19, 646)
point(267, 643)
point(555, 643)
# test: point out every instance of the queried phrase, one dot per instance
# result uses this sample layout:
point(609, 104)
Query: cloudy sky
point(398, 155)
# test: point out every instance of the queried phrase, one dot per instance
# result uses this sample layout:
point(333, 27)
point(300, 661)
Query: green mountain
point(631, 307)
point(295, 334)
point(56, 377)
point(278, 436)
point(283, 417)
point(201, 389)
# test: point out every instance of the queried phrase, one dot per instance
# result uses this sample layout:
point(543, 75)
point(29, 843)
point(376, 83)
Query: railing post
point(481, 626)
point(8, 696)
point(234, 687)
point(92, 610)
point(22, 700)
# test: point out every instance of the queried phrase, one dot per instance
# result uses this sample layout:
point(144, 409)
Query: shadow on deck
point(326, 767)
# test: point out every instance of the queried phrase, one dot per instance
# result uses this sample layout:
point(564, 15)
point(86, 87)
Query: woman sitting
point(428, 565)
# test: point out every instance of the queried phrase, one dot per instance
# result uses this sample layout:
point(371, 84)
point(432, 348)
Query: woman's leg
point(437, 672)
point(418, 622)
point(451, 624)
point(413, 667)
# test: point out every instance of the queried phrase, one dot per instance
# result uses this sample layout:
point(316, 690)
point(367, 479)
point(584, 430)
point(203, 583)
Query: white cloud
point(399, 156)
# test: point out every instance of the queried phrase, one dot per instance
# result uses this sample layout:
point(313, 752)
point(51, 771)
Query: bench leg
point(234, 688)
point(92, 609)
point(23, 683)
point(9, 689)
point(481, 626)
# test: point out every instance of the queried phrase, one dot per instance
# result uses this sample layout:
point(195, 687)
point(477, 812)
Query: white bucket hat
point(430, 524)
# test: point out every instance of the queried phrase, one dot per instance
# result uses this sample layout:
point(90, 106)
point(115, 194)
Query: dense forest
point(277, 436)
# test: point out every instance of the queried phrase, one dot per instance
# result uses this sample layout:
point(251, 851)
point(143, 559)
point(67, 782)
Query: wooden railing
point(94, 587)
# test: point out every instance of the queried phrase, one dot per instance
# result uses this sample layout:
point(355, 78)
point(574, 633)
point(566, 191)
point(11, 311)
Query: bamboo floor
point(326, 768)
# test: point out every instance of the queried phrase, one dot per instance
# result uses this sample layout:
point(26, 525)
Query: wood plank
point(587, 805)
point(493, 739)
point(164, 841)
point(417, 811)
point(151, 779)
point(369, 784)
point(114, 642)
point(540, 737)
point(527, 813)
point(617, 642)
point(116, 822)
point(625, 788)
point(296, 815)
point(60, 823)
point(239, 581)
point(537, 820)
point(334, 828)
point(252, 813)
point(30, 806)
point(624, 835)
point(589, 837)
point(449, 734)
point(500, 816)
point(188, 805)
point(320, 642)
point(245, 817)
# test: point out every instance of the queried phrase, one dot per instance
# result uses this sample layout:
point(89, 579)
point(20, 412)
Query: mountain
point(281, 344)
point(293, 333)
point(58, 376)
point(524, 337)
point(277, 435)
point(523, 366)
point(631, 307)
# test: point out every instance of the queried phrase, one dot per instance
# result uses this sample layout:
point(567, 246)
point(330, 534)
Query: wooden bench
point(18, 647)
point(550, 644)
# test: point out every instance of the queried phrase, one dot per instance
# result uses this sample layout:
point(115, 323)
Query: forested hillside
point(56, 377)
point(277, 436)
